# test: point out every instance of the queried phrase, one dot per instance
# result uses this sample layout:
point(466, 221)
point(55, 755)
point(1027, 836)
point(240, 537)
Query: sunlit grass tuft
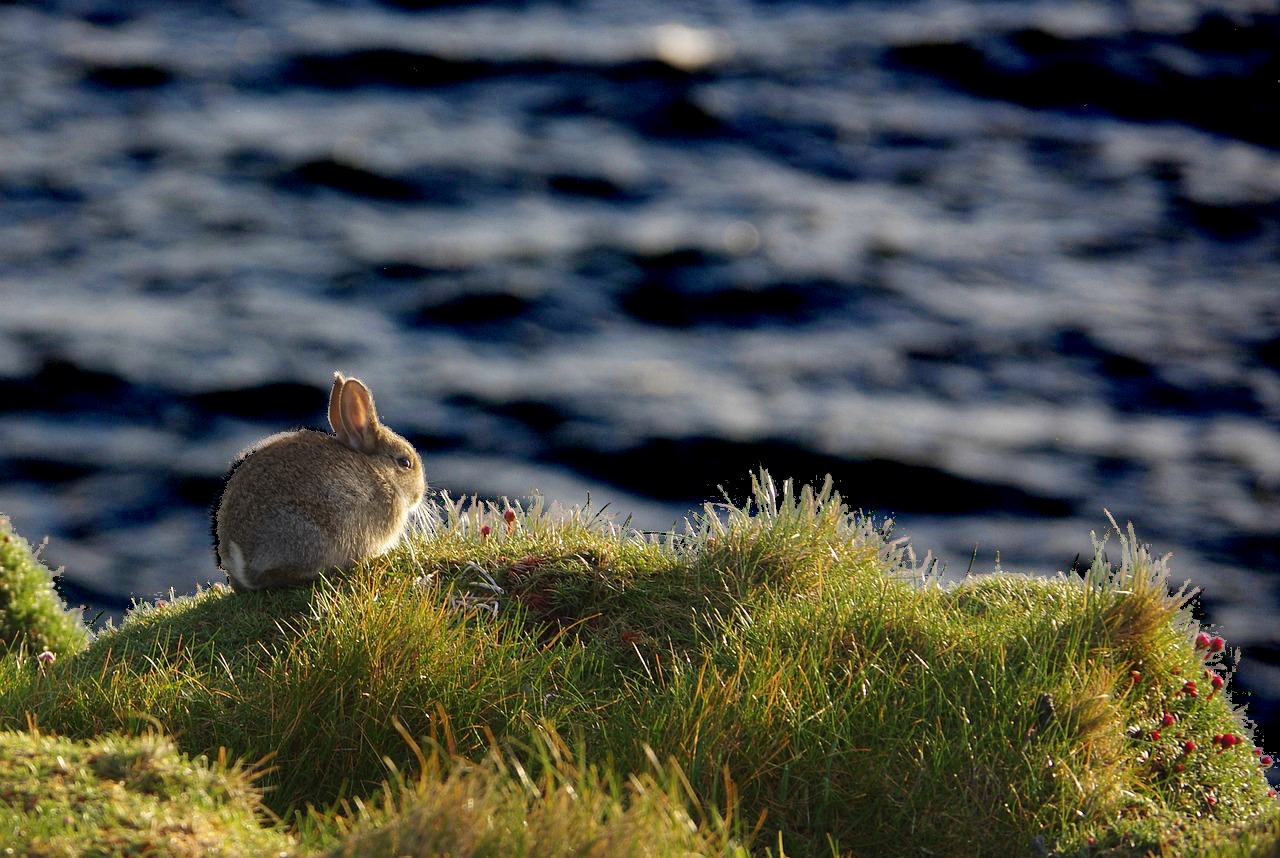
point(32, 617)
point(542, 801)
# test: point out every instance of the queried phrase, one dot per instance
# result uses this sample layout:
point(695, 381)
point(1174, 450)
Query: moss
point(117, 796)
point(32, 616)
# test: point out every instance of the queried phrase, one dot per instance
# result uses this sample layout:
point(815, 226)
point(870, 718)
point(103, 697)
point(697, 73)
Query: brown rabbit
point(297, 504)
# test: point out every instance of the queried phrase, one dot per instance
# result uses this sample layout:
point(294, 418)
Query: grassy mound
point(781, 678)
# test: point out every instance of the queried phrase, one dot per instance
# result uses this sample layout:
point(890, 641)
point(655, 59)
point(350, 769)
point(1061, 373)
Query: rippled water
point(994, 266)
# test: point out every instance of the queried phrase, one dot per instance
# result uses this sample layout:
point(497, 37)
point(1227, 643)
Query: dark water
point(994, 266)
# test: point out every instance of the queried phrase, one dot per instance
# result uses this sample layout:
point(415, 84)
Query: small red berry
point(1216, 645)
point(1179, 768)
point(509, 516)
point(1271, 793)
point(1266, 760)
point(1189, 688)
point(1155, 735)
point(1212, 801)
point(1217, 682)
point(485, 531)
point(1135, 676)
point(1202, 641)
point(1188, 746)
point(1166, 720)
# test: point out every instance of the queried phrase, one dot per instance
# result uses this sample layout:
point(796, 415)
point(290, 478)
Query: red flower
point(485, 531)
point(1155, 735)
point(1166, 720)
point(1266, 760)
point(1216, 645)
point(1188, 746)
point(1189, 688)
point(1217, 682)
point(1212, 801)
point(1202, 641)
point(1134, 676)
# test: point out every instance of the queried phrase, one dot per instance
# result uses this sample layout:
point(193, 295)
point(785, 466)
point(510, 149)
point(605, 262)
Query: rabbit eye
point(405, 462)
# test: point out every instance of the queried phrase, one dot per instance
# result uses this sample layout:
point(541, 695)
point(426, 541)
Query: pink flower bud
point(1202, 641)
point(46, 657)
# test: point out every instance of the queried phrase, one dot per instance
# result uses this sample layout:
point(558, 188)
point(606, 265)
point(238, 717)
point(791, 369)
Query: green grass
point(779, 678)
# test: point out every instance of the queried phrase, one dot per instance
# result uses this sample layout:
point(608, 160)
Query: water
point(997, 267)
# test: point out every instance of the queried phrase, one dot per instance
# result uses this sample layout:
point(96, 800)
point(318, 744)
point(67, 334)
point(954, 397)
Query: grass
point(780, 678)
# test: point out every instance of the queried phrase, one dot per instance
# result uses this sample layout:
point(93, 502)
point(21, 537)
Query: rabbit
point(300, 503)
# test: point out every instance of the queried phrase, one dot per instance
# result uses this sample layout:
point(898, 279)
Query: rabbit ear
point(335, 411)
point(359, 419)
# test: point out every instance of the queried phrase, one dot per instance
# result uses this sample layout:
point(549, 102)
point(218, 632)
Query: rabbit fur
point(300, 503)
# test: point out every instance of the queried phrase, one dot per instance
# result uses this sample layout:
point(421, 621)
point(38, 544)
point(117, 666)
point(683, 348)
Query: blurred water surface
point(996, 266)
